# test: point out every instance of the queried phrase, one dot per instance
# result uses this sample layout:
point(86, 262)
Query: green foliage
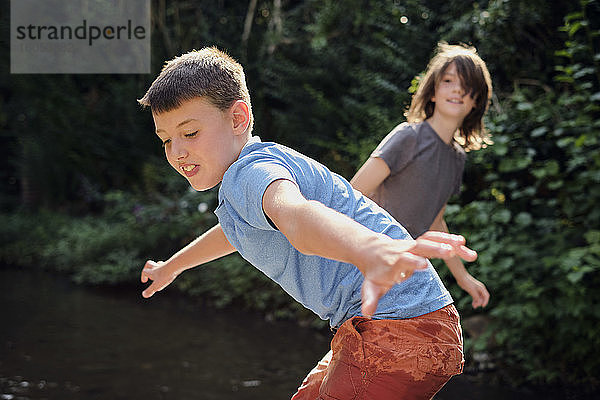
point(336, 83)
point(67, 146)
point(108, 248)
point(532, 215)
point(520, 33)
point(112, 247)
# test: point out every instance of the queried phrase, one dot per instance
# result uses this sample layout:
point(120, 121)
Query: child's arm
point(370, 175)
point(466, 281)
point(209, 246)
point(315, 229)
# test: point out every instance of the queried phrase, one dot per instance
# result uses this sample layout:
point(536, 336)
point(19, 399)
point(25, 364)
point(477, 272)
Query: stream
point(59, 340)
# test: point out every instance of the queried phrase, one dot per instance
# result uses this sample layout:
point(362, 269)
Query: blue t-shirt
point(332, 289)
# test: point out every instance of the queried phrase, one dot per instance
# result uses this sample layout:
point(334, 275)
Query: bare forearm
point(319, 230)
point(457, 268)
point(208, 247)
point(370, 176)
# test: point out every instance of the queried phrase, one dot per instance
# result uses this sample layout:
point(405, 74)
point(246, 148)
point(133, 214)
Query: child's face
point(450, 98)
point(200, 141)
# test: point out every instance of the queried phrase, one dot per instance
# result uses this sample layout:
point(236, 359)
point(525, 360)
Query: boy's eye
point(192, 134)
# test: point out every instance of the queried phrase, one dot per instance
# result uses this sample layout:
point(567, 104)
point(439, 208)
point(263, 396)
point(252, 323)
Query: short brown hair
point(207, 73)
point(476, 81)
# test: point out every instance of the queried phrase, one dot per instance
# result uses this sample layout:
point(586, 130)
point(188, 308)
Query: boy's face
point(201, 141)
point(451, 99)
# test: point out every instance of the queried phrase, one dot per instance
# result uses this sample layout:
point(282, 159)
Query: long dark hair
point(476, 81)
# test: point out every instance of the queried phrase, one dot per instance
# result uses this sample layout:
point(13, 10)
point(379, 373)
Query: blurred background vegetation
point(85, 189)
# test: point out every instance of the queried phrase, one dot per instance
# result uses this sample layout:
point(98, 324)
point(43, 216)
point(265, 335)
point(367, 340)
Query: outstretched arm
point(465, 280)
point(315, 229)
point(370, 176)
point(209, 246)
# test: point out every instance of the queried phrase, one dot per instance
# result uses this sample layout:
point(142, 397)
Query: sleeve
point(245, 186)
point(398, 148)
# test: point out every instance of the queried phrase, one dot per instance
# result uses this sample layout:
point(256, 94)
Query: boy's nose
point(179, 151)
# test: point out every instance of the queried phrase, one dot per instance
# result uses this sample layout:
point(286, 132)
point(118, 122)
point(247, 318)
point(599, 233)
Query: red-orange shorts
point(388, 359)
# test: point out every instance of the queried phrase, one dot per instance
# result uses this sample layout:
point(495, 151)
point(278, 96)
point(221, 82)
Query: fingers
point(372, 291)
point(482, 299)
point(480, 295)
point(408, 262)
point(404, 266)
point(486, 299)
point(433, 244)
point(370, 295)
point(405, 244)
point(432, 249)
point(444, 237)
point(148, 274)
point(148, 267)
point(465, 253)
point(150, 290)
point(144, 277)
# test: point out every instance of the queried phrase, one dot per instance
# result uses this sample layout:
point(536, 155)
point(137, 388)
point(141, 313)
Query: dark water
point(62, 341)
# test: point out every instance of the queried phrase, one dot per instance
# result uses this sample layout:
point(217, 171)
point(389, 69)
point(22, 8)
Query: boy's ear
point(241, 116)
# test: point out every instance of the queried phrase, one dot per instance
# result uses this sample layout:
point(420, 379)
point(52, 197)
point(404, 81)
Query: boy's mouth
point(189, 169)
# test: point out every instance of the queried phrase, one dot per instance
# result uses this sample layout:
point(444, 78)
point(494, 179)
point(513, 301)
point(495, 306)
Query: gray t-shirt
point(425, 173)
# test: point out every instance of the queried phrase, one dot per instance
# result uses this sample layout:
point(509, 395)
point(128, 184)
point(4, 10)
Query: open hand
point(410, 256)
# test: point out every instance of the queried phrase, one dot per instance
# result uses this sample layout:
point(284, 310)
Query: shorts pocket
point(440, 359)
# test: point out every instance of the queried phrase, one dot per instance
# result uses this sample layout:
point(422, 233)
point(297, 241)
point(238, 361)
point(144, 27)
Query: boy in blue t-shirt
point(332, 249)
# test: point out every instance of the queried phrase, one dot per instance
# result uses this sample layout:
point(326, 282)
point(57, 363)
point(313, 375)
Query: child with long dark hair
point(419, 165)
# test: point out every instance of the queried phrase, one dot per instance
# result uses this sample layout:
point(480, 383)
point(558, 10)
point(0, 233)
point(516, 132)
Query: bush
point(531, 212)
point(111, 248)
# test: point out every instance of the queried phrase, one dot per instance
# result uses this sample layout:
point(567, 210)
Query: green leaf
point(523, 219)
point(539, 131)
point(531, 310)
point(574, 28)
point(592, 237)
point(501, 216)
point(525, 106)
point(578, 274)
point(555, 185)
